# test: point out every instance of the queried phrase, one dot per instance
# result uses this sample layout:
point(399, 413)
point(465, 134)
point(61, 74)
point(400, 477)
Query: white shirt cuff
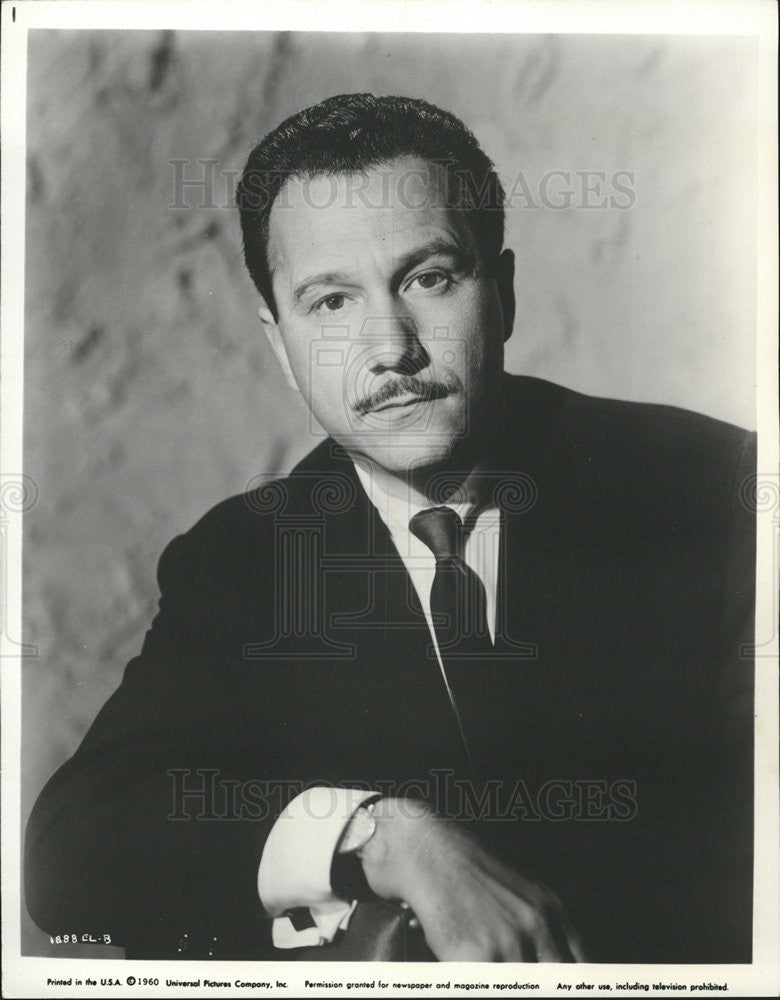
point(295, 867)
point(329, 919)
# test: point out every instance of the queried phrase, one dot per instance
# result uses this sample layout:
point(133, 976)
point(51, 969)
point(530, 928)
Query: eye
point(430, 280)
point(332, 303)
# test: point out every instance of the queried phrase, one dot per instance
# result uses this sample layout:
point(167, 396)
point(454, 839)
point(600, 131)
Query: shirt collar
point(397, 504)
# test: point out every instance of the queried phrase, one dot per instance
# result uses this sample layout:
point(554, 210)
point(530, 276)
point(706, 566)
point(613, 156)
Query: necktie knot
point(440, 529)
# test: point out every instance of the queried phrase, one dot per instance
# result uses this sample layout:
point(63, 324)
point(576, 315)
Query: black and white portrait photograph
point(389, 489)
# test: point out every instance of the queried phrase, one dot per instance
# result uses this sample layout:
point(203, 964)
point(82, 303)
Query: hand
point(471, 906)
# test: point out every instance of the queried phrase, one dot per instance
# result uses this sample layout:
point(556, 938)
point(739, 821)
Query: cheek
point(299, 367)
point(473, 330)
point(318, 366)
point(306, 359)
point(296, 345)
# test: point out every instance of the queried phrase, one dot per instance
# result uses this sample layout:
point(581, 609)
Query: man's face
point(387, 319)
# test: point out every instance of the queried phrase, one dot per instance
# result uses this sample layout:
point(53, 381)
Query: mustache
point(404, 385)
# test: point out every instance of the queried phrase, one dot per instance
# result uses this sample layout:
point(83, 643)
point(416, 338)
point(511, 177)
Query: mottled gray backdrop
point(150, 393)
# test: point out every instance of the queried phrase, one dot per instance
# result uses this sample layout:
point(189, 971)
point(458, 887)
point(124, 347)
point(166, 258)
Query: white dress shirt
point(295, 866)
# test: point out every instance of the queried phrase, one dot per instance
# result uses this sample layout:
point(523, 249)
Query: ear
point(505, 278)
point(274, 335)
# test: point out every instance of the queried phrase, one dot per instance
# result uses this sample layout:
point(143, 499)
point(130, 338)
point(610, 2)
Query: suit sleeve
point(732, 834)
point(136, 835)
point(722, 806)
point(736, 679)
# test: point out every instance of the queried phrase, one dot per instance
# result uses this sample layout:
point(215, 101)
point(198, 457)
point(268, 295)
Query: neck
point(427, 485)
point(402, 484)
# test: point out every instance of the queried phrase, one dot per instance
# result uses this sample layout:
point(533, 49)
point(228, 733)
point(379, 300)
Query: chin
point(403, 458)
point(429, 458)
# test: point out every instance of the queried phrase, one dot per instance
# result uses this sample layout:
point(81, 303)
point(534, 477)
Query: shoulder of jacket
point(599, 420)
point(247, 521)
point(637, 459)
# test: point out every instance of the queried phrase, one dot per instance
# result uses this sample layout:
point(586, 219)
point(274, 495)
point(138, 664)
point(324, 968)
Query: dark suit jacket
point(611, 731)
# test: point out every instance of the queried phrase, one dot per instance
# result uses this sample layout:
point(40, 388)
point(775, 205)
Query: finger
point(544, 933)
point(567, 938)
point(575, 943)
point(552, 947)
point(550, 931)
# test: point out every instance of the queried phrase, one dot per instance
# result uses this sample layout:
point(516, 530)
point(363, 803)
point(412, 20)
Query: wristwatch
point(360, 829)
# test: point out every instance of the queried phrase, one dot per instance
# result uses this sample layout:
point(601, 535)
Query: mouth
point(399, 396)
point(402, 402)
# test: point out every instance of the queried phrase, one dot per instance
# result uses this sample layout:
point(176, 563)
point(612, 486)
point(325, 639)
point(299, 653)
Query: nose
point(391, 343)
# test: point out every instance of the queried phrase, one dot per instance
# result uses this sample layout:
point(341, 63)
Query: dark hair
point(350, 132)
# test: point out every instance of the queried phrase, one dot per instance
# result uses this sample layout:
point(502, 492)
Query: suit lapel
point(542, 560)
point(371, 601)
point(398, 696)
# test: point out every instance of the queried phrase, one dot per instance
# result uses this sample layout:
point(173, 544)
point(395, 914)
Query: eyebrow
point(324, 278)
point(465, 257)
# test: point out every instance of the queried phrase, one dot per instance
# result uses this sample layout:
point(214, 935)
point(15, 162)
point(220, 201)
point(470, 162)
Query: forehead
point(344, 220)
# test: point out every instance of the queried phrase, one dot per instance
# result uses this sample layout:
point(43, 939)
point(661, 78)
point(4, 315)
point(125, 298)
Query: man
point(488, 638)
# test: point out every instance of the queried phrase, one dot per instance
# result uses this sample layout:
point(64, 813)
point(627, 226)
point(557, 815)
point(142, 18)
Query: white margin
point(24, 976)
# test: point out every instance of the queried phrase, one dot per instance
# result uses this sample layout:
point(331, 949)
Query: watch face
point(359, 831)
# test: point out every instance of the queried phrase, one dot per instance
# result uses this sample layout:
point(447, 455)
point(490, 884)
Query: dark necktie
point(458, 600)
point(459, 613)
